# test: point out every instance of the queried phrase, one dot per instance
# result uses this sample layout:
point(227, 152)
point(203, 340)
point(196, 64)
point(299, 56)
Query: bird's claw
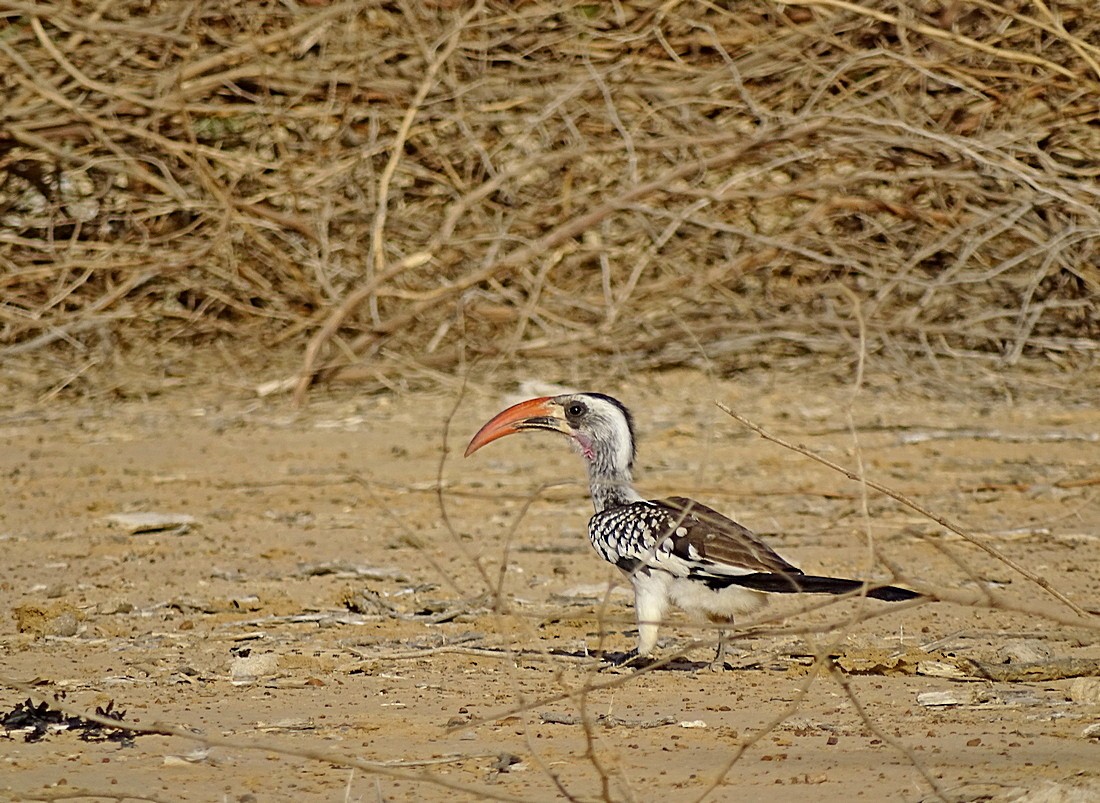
point(626, 660)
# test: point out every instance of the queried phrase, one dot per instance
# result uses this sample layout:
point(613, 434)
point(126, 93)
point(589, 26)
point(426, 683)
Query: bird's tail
point(811, 584)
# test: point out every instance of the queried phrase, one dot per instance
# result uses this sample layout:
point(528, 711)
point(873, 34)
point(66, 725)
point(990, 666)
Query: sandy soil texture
point(349, 616)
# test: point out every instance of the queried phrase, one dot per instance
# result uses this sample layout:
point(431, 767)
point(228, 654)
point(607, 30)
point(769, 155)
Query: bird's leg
point(650, 602)
point(719, 662)
point(647, 637)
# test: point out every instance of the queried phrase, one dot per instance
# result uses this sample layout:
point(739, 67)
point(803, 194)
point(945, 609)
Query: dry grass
point(409, 186)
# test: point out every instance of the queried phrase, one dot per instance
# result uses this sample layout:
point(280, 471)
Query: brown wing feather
point(713, 537)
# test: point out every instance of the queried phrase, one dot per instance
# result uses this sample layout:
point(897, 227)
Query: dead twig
point(845, 684)
point(939, 33)
point(897, 496)
point(292, 185)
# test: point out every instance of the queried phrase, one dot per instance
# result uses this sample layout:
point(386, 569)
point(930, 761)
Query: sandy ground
point(329, 601)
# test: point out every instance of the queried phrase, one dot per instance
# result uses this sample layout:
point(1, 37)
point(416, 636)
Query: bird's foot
point(718, 664)
point(728, 659)
point(626, 660)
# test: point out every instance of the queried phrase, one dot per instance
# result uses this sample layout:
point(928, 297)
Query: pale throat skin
point(608, 451)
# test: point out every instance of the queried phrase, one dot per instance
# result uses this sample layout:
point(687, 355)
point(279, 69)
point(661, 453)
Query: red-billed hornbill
point(674, 551)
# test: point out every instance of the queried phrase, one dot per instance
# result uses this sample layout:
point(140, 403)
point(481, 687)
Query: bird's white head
point(600, 427)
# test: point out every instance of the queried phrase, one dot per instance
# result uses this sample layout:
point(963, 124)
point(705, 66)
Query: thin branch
point(940, 33)
point(897, 496)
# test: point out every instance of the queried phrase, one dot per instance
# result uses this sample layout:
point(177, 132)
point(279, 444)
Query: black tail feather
point(811, 584)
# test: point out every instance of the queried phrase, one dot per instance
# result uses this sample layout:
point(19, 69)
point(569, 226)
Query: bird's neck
point(610, 485)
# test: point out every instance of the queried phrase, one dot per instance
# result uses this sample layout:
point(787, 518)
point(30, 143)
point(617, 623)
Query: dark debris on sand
point(36, 722)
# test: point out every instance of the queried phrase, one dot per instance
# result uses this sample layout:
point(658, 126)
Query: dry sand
point(321, 601)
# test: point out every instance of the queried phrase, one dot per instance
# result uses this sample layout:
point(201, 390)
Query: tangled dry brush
point(398, 188)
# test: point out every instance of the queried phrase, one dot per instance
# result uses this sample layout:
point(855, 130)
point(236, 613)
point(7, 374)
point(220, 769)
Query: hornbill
point(674, 551)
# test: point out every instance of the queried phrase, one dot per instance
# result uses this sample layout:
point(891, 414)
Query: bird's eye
point(575, 410)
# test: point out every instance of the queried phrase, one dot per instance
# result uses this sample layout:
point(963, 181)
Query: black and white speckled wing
point(684, 538)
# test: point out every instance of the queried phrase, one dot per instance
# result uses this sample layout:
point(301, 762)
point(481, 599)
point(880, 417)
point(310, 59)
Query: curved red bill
point(535, 413)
